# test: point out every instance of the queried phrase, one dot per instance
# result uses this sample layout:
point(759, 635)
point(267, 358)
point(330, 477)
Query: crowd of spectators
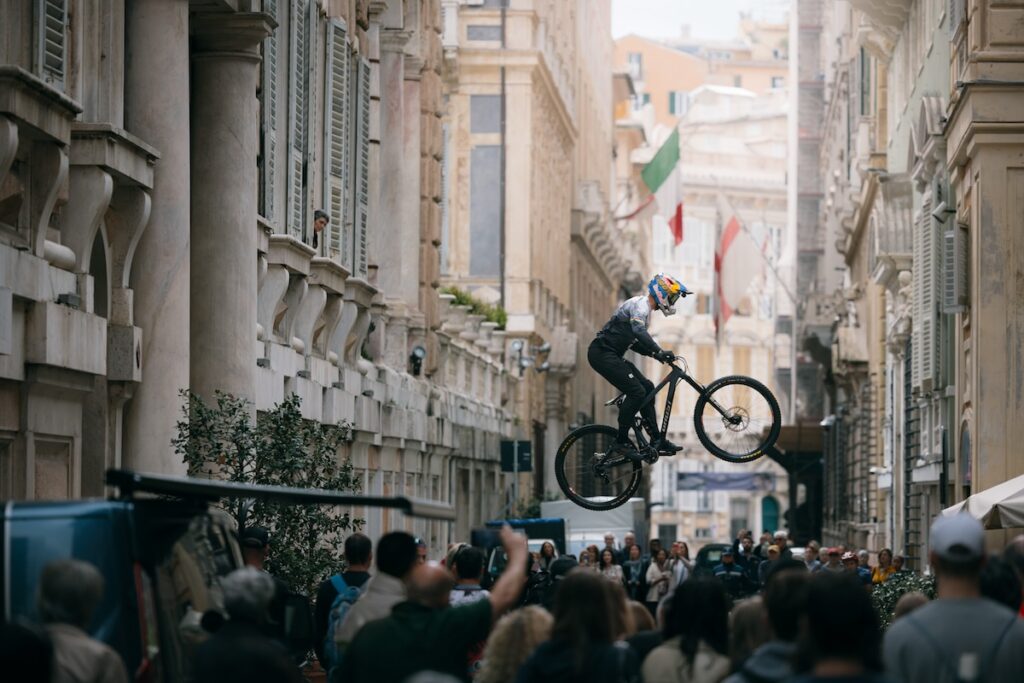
point(614, 615)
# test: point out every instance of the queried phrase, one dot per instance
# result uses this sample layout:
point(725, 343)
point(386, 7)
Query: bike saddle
point(617, 401)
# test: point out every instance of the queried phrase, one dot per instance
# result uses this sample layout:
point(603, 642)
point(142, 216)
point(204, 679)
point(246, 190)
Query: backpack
point(347, 596)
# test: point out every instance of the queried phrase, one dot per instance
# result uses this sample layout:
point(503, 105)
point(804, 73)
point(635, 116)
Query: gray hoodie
point(771, 662)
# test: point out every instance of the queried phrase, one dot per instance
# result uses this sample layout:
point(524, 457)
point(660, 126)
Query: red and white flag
point(736, 255)
point(662, 178)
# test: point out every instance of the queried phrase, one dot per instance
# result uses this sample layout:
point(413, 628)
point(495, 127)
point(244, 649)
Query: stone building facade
point(159, 170)
point(923, 287)
point(528, 221)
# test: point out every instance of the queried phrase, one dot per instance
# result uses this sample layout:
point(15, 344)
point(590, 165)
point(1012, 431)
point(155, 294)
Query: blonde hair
point(512, 641)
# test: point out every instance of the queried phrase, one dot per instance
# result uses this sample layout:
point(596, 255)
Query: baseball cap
point(781, 533)
point(848, 555)
point(254, 537)
point(727, 551)
point(833, 551)
point(957, 538)
point(773, 548)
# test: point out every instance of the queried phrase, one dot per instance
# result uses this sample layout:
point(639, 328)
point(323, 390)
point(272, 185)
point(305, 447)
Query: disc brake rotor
point(737, 419)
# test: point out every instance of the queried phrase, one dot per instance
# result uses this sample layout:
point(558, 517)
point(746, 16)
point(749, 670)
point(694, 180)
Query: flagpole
point(786, 290)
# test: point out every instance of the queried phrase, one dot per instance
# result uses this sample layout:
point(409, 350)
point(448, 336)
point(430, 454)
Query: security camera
point(516, 346)
point(544, 367)
point(544, 348)
point(416, 357)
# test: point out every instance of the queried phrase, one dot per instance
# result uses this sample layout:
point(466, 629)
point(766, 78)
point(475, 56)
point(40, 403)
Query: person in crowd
point(547, 556)
point(840, 637)
point(608, 568)
point(1014, 554)
point(811, 559)
point(69, 593)
point(679, 565)
point(784, 599)
point(255, 544)
point(642, 619)
point(358, 556)
point(628, 541)
point(468, 569)
point(885, 569)
point(648, 630)
point(684, 554)
point(421, 551)
point(424, 633)
point(765, 567)
point(960, 635)
point(512, 641)
point(582, 645)
point(864, 564)
point(781, 539)
point(909, 602)
point(560, 568)
point(696, 637)
point(1000, 582)
point(609, 543)
point(748, 629)
point(852, 565)
point(26, 652)
point(633, 573)
point(658, 579)
point(834, 563)
point(761, 550)
point(396, 557)
point(594, 556)
point(897, 563)
point(655, 546)
point(623, 625)
point(732, 576)
point(743, 555)
point(240, 651)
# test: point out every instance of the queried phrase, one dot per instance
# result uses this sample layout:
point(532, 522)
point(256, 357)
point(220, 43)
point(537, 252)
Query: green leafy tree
point(281, 448)
point(886, 595)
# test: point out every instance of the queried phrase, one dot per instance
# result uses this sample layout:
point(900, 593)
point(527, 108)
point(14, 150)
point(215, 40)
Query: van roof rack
point(130, 483)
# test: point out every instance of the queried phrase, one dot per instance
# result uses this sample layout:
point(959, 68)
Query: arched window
point(769, 513)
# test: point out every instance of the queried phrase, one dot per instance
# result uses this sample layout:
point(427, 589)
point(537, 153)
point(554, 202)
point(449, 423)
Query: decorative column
point(156, 104)
point(225, 119)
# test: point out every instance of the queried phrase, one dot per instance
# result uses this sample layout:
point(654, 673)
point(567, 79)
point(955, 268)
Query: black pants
point(625, 377)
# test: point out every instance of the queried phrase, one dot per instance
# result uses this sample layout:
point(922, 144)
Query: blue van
point(161, 558)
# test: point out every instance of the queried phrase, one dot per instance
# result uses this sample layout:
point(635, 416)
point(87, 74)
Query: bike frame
point(673, 378)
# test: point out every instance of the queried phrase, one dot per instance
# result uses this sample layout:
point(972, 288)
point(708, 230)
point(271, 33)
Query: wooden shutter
point(928, 303)
point(51, 41)
point(298, 118)
point(916, 310)
point(362, 168)
point(268, 116)
point(336, 129)
point(954, 270)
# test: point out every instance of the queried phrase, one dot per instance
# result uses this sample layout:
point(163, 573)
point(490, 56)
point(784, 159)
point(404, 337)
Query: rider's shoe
point(666, 447)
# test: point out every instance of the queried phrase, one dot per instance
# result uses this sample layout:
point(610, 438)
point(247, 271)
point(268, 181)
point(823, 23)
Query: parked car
point(708, 558)
point(161, 559)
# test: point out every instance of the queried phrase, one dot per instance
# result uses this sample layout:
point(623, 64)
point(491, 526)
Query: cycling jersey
point(628, 328)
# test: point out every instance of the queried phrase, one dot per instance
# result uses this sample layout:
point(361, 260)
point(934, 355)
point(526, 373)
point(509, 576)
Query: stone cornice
point(115, 150)
point(29, 99)
point(360, 291)
point(289, 252)
point(230, 33)
point(329, 274)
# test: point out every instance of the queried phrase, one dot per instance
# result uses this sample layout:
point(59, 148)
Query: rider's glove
point(665, 356)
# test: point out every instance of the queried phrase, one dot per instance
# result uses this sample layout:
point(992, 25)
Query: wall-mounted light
point(416, 357)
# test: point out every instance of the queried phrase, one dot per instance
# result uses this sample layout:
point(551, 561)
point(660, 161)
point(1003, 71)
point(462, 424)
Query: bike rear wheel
point(588, 476)
point(737, 419)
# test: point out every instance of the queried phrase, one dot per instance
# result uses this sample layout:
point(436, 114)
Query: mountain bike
point(736, 418)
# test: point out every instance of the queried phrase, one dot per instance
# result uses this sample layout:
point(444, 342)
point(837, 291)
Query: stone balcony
point(891, 229)
point(344, 348)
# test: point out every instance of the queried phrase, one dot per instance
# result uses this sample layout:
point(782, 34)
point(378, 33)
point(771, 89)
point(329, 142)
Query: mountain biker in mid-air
point(628, 329)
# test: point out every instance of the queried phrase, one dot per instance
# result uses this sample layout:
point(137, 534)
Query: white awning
point(1000, 507)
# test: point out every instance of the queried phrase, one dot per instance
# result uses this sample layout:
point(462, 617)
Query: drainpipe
point(501, 182)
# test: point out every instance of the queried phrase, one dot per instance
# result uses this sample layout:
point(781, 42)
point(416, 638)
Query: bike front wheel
point(737, 419)
point(588, 475)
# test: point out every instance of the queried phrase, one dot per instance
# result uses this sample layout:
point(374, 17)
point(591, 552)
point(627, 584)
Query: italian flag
point(736, 254)
point(662, 178)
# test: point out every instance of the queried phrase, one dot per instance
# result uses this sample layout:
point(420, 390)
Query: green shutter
point(671, 101)
point(362, 179)
point(268, 115)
